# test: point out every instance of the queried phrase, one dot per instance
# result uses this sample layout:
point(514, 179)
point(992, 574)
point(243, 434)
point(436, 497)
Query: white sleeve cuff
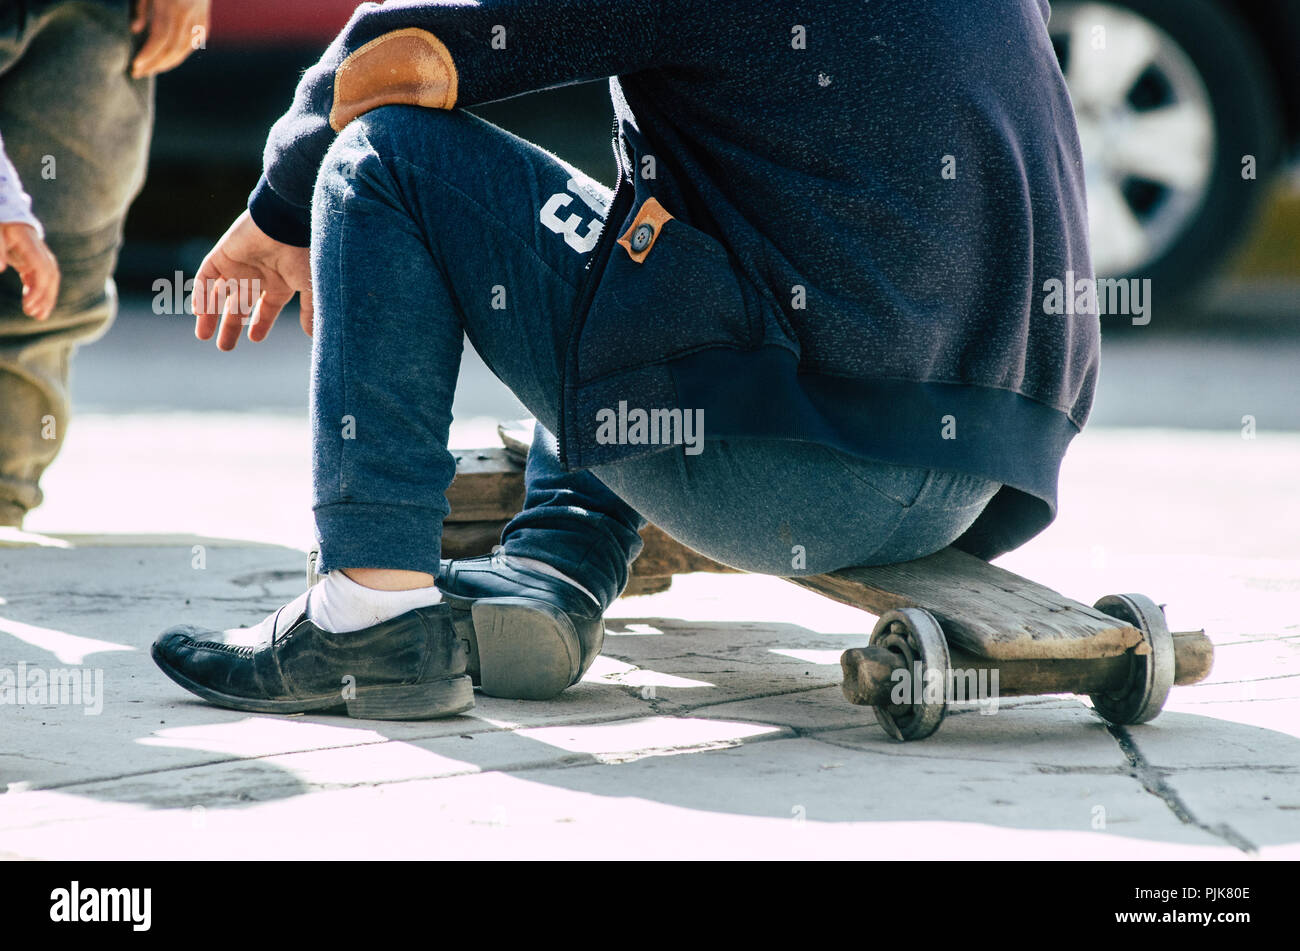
point(15, 204)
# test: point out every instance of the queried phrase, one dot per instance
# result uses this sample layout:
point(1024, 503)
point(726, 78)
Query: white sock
point(338, 604)
point(546, 569)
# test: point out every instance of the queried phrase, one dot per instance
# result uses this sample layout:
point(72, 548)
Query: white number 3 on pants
point(581, 241)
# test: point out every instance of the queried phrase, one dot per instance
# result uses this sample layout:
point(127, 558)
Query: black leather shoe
point(531, 635)
point(410, 668)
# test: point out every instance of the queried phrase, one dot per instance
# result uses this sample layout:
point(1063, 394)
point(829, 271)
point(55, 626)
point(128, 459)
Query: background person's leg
point(429, 225)
point(77, 129)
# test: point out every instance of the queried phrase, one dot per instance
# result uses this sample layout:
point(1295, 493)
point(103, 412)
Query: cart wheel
point(915, 636)
point(1152, 673)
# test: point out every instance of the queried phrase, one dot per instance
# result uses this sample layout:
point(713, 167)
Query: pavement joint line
point(1211, 703)
point(271, 599)
point(821, 734)
point(486, 729)
point(1244, 680)
point(867, 722)
point(567, 761)
point(27, 756)
point(1052, 769)
point(1287, 768)
point(792, 692)
point(209, 764)
point(571, 760)
point(163, 770)
point(728, 659)
point(892, 749)
point(1207, 768)
point(1261, 639)
point(1155, 781)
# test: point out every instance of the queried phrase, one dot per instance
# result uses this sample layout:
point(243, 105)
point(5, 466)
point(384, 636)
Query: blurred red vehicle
point(246, 23)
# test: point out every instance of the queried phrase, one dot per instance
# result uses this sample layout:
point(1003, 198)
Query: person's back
point(902, 183)
point(912, 163)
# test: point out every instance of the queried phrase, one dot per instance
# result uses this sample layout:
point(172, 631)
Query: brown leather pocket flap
point(642, 234)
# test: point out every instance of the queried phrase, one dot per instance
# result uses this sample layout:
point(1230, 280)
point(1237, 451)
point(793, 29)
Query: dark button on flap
point(641, 235)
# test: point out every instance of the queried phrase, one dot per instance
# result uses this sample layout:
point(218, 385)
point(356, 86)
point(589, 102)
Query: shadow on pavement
point(720, 719)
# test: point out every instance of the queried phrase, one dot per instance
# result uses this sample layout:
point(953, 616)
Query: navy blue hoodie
point(856, 210)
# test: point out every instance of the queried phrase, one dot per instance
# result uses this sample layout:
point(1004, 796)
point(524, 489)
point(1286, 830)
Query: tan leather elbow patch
point(408, 67)
point(643, 232)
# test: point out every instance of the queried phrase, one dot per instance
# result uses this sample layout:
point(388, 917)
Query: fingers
point(307, 311)
point(162, 21)
point(239, 292)
point(40, 290)
point(140, 18)
point(171, 33)
point(38, 271)
point(204, 301)
point(222, 298)
point(254, 300)
point(246, 280)
point(232, 323)
point(267, 310)
point(181, 43)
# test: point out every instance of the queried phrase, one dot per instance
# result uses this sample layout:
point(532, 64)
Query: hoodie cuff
point(285, 222)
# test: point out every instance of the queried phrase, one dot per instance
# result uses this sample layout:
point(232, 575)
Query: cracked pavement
point(712, 727)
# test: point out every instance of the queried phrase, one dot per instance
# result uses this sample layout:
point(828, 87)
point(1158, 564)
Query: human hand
point(21, 246)
point(173, 26)
point(248, 277)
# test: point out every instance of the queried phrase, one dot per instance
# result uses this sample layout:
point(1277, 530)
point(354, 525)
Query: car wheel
point(1170, 96)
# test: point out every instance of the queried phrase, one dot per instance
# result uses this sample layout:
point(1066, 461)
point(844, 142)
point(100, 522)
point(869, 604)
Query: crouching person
point(787, 261)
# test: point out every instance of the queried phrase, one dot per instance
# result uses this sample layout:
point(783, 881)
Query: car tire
point(1246, 121)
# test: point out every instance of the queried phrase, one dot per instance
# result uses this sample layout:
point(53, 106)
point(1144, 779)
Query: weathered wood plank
point(488, 491)
point(470, 539)
point(660, 559)
point(489, 485)
point(985, 611)
point(664, 556)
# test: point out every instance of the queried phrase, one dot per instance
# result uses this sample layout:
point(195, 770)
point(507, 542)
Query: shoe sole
point(525, 649)
point(424, 701)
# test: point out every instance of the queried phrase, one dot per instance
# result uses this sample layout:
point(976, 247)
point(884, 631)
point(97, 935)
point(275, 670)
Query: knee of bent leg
point(375, 149)
point(350, 158)
point(421, 140)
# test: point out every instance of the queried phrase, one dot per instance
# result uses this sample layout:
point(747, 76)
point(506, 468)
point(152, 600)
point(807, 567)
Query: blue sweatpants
point(428, 226)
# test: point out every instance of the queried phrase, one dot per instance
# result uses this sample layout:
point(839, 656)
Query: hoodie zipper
point(595, 267)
